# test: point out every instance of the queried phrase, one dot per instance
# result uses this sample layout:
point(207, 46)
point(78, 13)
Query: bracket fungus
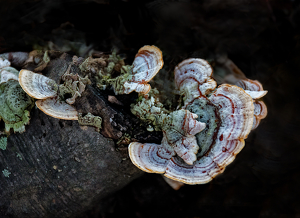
point(225, 114)
point(46, 91)
point(255, 90)
point(148, 61)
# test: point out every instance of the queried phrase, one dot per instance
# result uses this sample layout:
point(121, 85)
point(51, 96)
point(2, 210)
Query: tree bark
point(59, 168)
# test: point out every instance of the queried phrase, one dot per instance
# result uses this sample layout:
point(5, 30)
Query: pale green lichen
point(114, 74)
point(153, 113)
point(3, 142)
point(90, 120)
point(19, 156)
point(15, 106)
point(6, 173)
point(74, 85)
point(150, 110)
point(124, 140)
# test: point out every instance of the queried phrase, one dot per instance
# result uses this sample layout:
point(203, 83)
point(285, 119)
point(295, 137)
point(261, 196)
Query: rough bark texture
point(58, 168)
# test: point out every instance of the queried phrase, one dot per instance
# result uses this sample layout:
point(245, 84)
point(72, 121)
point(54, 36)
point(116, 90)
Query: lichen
point(19, 156)
point(15, 106)
point(6, 173)
point(3, 142)
point(150, 111)
point(90, 120)
point(110, 71)
point(74, 85)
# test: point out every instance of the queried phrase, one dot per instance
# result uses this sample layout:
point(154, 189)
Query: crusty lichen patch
point(90, 120)
point(150, 111)
point(74, 85)
point(6, 173)
point(3, 142)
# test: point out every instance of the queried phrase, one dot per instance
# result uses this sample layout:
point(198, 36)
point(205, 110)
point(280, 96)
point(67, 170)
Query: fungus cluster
point(46, 91)
point(221, 118)
point(199, 140)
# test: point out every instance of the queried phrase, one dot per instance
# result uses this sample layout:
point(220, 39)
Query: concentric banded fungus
point(58, 109)
point(148, 61)
point(179, 128)
point(45, 89)
point(228, 115)
point(193, 78)
point(256, 91)
point(253, 88)
point(36, 85)
point(146, 65)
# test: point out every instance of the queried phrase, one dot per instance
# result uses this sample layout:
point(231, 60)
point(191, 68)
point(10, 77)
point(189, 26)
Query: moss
point(6, 173)
point(3, 142)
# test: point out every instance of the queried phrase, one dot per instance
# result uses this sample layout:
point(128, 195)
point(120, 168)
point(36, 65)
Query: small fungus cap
point(4, 63)
point(57, 109)
point(252, 87)
point(37, 85)
point(148, 61)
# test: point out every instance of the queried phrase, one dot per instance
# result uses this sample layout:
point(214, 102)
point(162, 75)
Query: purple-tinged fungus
point(57, 109)
point(227, 114)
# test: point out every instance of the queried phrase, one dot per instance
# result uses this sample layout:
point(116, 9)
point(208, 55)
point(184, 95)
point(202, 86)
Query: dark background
point(261, 37)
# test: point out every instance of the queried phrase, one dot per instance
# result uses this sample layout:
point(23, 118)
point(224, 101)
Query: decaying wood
point(60, 169)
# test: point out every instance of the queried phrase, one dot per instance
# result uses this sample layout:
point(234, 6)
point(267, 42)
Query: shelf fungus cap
point(193, 78)
point(255, 89)
point(4, 63)
point(37, 85)
point(57, 109)
point(260, 112)
point(252, 87)
point(148, 61)
point(236, 111)
point(6, 75)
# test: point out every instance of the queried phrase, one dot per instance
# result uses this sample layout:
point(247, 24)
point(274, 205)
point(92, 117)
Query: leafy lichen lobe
point(15, 106)
point(6, 173)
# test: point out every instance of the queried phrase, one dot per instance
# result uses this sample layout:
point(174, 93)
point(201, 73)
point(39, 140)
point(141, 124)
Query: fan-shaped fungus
point(228, 114)
point(148, 61)
point(256, 91)
point(45, 89)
